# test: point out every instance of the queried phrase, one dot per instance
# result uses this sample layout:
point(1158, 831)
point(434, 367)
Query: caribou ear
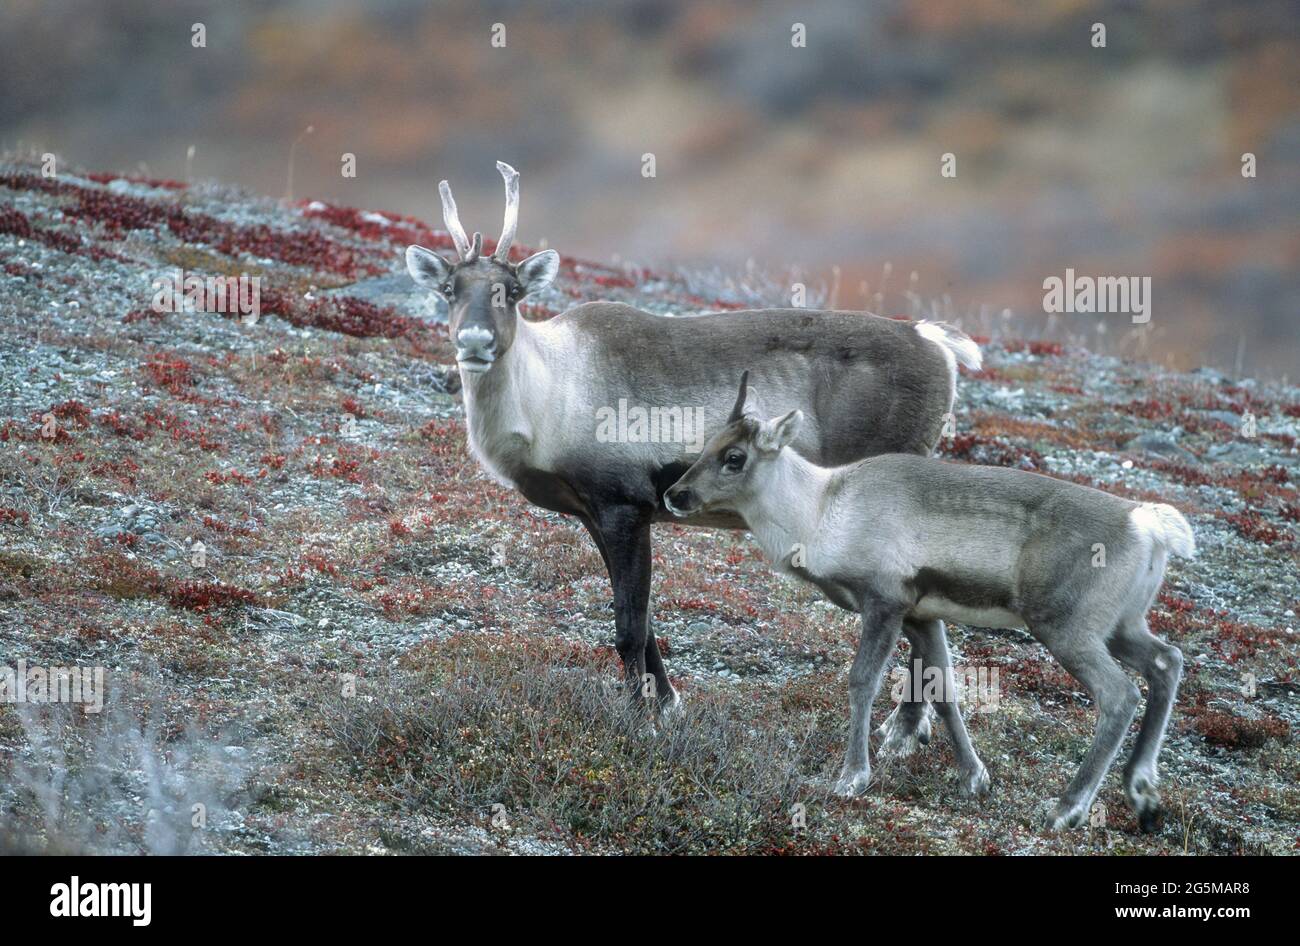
point(427, 268)
point(537, 272)
point(778, 432)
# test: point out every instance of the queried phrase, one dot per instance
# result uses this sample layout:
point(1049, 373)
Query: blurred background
point(1123, 160)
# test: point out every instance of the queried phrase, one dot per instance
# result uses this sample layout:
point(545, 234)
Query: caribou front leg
point(882, 625)
point(623, 535)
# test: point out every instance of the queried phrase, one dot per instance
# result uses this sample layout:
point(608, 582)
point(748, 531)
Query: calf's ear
point(778, 432)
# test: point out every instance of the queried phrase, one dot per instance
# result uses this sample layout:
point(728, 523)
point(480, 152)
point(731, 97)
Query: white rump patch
point(1166, 526)
point(957, 347)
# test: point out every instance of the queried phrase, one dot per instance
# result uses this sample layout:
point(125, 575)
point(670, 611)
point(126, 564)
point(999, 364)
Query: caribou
point(902, 537)
point(535, 394)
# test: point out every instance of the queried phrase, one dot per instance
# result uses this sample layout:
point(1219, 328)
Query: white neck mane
point(510, 408)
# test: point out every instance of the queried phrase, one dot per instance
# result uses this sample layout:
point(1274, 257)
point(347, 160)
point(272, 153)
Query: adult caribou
point(533, 392)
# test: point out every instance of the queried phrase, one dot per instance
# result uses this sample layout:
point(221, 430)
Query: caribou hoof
point(898, 741)
point(672, 710)
point(975, 783)
point(1144, 799)
point(1062, 816)
point(853, 784)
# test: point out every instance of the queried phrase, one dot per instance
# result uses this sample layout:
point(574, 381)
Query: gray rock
point(1239, 452)
point(398, 291)
point(1161, 444)
point(285, 620)
point(1226, 417)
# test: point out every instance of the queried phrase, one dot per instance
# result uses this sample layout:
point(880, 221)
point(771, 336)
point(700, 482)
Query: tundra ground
point(325, 626)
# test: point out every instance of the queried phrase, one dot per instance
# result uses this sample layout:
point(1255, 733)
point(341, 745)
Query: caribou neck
point(786, 509)
point(503, 404)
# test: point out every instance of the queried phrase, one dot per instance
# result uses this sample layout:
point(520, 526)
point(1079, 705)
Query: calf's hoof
point(975, 783)
point(900, 736)
point(1063, 816)
point(1151, 822)
point(1144, 800)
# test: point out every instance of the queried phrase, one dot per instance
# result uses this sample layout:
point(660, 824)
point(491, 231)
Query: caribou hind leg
point(908, 727)
point(1161, 665)
point(1082, 653)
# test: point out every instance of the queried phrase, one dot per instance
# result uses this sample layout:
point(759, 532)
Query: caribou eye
point(446, 289)
point(733, 461)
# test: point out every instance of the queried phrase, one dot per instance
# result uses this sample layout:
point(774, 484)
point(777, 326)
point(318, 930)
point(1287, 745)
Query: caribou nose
point(679, 500)
point(475, 343)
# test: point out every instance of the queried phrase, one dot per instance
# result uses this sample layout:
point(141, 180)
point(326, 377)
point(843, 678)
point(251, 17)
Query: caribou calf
point(896, 537)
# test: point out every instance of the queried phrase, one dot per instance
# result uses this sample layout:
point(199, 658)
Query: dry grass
point(539, 730)
point(134, 779)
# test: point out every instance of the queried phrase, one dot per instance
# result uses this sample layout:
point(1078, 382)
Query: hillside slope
point(376, 646)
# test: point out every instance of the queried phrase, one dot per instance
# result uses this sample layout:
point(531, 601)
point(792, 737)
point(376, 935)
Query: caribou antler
point(502, 252)
point(738, 411)
point(452, 219)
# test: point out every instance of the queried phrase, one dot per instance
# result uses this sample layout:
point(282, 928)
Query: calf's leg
point(1082, 652)
point(1161, 665)
point(928, 637)
point(908, 727)
point(881, 628)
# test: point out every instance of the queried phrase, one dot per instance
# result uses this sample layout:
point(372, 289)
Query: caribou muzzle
point(476, 348)
point(681, 501)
